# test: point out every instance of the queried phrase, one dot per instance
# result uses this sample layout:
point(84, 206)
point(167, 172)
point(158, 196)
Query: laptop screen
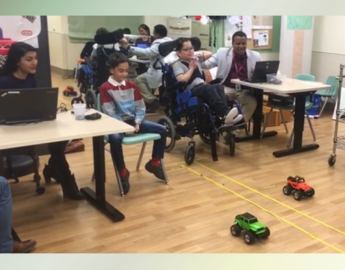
point(142, 45)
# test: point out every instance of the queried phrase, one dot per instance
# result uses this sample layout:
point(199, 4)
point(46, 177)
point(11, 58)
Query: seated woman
point(187, 69)
point(19, 73)
point(147, 39)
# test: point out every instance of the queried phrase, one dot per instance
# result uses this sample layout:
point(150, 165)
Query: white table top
point(64, 128)
point(288, 86)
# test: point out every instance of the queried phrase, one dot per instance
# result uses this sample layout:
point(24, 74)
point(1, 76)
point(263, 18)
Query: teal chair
point(328, 93)
point(308, 105)
point(132, 140)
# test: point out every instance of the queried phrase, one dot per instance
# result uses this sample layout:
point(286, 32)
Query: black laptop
point(262, 69)
point(20, 106)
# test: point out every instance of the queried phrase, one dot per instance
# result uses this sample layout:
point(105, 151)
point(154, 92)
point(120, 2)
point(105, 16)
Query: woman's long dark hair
point(146, 28)
point(16, 52)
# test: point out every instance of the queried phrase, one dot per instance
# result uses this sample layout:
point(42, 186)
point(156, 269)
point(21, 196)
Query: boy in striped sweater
point(122, 100)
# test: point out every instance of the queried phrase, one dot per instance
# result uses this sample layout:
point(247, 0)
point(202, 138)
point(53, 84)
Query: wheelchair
point(93, 75)
point(198, 117)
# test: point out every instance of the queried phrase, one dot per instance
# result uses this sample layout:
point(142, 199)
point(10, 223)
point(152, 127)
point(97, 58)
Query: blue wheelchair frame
point(200, 120)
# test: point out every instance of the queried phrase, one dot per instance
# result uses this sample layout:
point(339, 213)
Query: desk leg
point(257, 118)
point(298, 130)
point(98, 198)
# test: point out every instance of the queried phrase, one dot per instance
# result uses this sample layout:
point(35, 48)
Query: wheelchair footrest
point(226, 128)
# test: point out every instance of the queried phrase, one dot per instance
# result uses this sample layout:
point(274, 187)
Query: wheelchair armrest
point(177, 86)
point(216, 81)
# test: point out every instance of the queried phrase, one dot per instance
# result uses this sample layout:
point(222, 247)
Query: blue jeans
point(115, 141)
point(6, 241)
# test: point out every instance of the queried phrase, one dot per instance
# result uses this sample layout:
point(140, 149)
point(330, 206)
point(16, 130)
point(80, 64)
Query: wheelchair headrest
point(167, 47)
point(109, 38)
point(172, 57)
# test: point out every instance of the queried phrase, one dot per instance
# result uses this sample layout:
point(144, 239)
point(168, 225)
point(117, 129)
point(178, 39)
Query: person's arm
point(140, 107)
point(259, 58)
point(203, 56)
point(108, 104)
point(180, 74)
point(148, 52)
point(211, 62)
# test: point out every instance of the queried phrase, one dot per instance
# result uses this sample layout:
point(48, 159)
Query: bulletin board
point(254, 43)
point(259, 30)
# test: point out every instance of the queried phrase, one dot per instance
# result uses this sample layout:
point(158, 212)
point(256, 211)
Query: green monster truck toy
point(251, 226)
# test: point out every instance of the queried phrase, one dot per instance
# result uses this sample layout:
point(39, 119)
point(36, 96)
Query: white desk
point(64, 128)
point(289, 86)
point(297, 88)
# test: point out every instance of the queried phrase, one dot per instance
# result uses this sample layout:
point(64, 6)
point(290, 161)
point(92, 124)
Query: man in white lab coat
point(237, 62)
point(149, 81)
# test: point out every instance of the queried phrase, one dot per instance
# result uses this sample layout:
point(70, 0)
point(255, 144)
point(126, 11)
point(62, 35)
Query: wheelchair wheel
point(189, 154)
point(232, 146)
point(90, 99)
point(165, 121)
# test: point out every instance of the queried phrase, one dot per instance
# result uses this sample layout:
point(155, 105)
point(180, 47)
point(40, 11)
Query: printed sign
point(20, 28)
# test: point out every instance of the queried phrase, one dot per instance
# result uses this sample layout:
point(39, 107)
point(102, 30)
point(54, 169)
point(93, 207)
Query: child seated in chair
point(187, 69)
point(122, 100)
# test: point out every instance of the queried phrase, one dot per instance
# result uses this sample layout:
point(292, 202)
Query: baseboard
point(62, 72)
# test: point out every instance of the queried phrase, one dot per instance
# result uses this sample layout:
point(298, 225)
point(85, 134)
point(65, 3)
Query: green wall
point(83, 28)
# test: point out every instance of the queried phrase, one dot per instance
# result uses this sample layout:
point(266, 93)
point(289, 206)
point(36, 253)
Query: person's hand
point(193, 64)
point(136, 128)
point(195, 59)
point(124, 43)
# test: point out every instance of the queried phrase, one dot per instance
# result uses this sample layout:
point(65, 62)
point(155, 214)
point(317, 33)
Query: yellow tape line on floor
point(266, 210)
point(272, 199)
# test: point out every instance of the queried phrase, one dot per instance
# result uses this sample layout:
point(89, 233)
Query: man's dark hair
point(238, 34)
point(160, 30)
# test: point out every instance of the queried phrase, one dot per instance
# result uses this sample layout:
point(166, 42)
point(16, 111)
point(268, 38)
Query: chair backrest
point(98, 104)
point(332, 80)
point(305, 77)
point(87, 50)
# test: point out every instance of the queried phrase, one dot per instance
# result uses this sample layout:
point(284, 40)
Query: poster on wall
point(237, 23)
point(262, 22)
point(18, 29)
point(260, 38)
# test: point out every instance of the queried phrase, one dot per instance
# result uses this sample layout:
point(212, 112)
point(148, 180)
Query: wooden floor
point(194, 212)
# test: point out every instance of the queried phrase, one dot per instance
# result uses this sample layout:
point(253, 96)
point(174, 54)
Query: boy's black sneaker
point(156, 170)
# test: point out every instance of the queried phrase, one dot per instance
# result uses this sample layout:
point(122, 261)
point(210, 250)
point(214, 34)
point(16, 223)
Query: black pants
point(58, 158)
point(214, 96)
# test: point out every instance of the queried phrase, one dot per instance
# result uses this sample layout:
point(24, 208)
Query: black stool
point(21, 162)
